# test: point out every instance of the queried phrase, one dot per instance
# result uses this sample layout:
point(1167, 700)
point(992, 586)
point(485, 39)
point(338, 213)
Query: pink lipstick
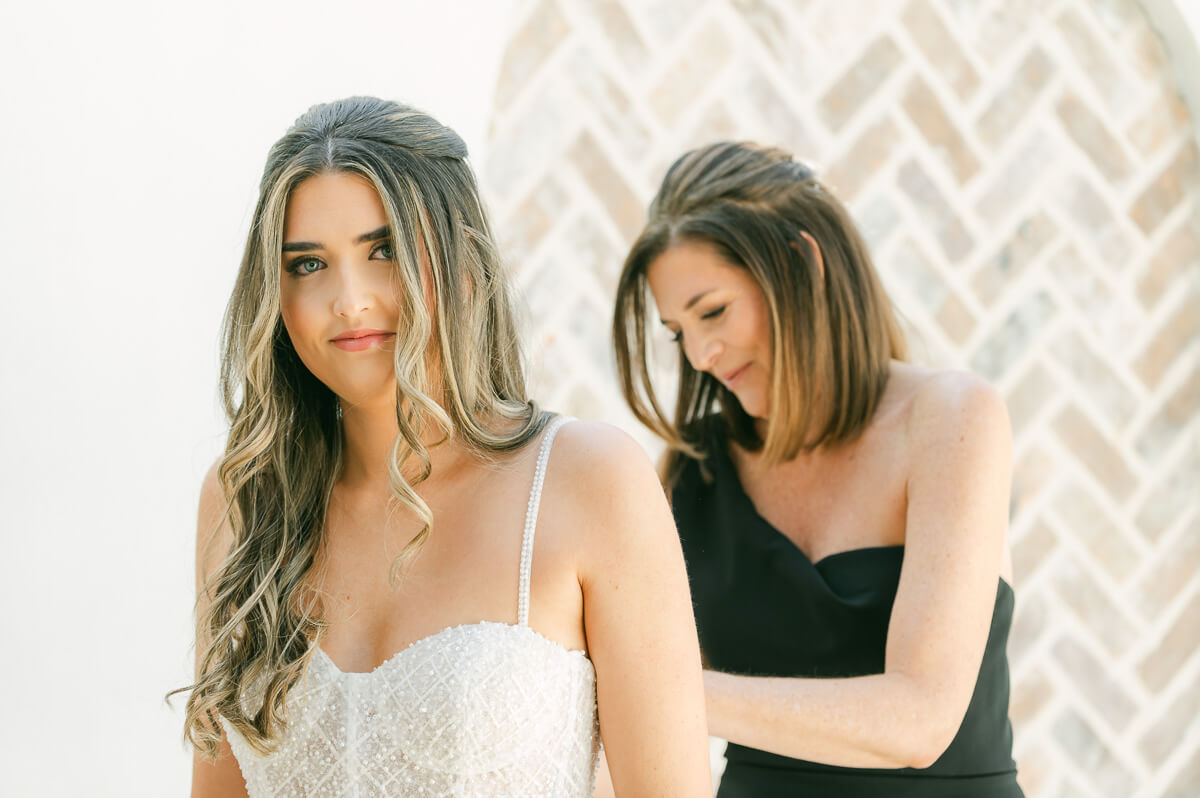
point(732, 376)
point(359, 340)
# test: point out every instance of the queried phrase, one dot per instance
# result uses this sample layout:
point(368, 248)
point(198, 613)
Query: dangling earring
point(337, 403)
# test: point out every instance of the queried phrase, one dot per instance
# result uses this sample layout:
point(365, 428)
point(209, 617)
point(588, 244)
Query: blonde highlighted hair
point(260, 614)
point(833, 329)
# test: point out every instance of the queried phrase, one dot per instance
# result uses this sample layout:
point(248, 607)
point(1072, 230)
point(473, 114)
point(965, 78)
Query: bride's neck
point(370, 432)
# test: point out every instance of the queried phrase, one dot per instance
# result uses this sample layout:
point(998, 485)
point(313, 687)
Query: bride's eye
point(303, 266)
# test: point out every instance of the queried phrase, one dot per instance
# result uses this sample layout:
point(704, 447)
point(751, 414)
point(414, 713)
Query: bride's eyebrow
point(309, 246)
point(374, 235)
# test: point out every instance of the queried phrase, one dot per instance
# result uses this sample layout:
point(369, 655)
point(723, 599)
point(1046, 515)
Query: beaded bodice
point(484, 709)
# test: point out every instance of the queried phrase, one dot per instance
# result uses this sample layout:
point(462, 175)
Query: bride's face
point(337, 290)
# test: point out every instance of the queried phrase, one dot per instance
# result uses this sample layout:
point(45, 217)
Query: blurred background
point(1025, 171)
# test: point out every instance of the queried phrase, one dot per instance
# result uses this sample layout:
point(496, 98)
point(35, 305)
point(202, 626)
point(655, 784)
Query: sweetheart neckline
point(476, 625)
point(780, 538)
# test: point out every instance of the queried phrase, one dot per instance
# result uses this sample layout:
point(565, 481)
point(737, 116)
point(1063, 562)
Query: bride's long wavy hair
point(258, 613)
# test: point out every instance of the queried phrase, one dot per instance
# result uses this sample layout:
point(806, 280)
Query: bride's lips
point(358, 340)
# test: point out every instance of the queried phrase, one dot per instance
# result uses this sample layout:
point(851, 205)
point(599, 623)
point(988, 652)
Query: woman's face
point(719, 314)
point(337, 292)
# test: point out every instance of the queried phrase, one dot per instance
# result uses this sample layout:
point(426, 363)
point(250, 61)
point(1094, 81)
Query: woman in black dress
point(843, 513)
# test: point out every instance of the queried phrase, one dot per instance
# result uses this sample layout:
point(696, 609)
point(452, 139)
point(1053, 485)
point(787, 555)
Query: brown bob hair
point(833, 329)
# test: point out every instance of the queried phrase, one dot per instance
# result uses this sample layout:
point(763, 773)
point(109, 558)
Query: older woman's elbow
point(927, 746)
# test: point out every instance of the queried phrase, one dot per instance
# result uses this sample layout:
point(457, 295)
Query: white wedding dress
point(485, 709)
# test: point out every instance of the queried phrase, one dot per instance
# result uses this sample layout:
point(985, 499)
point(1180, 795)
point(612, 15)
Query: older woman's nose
point(707, 352)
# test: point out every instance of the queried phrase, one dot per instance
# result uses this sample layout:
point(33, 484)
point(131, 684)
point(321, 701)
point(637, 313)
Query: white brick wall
point(1027, 177)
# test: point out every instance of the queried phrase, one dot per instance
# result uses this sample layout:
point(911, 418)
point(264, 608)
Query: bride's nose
point(353, 294)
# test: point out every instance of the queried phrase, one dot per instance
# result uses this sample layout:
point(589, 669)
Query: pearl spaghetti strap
point(531, 514)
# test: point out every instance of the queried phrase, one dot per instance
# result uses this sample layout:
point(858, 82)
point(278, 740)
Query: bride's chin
point(355, 394)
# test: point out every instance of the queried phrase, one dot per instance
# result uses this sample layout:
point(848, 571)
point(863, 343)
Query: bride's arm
point(219, 778)
point(604, 785)
point(638, 618)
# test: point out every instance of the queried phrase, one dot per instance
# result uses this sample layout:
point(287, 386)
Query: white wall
point(132, 138)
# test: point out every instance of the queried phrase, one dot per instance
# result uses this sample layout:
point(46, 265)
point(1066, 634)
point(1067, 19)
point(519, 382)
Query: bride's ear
point(814, 250)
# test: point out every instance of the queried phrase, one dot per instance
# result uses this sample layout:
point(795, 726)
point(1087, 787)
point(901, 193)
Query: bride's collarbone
point(466, 572)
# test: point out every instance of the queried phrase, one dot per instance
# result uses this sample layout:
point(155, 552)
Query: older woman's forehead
point(690, 262)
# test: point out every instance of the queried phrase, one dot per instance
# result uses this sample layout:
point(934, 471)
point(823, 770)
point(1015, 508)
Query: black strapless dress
point(763, 609)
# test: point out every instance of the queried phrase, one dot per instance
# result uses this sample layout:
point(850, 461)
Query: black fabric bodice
point(763, 609)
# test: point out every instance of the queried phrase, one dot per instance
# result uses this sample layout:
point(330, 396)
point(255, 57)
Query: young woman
point(376, 615)
point(843, 514)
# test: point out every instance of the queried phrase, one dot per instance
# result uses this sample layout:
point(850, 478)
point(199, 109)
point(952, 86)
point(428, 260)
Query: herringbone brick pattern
point(1028, 181)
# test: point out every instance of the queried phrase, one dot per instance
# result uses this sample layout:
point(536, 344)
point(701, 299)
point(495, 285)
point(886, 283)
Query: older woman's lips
point(732, 377)
point(358, 340)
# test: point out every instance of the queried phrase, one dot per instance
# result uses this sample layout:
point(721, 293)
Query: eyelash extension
point(294, 266)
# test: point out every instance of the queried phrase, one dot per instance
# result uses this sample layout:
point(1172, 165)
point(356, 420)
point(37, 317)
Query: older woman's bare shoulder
point(945, 403)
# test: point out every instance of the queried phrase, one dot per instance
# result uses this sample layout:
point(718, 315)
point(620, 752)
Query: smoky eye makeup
point(303, 266)
point(384, 250)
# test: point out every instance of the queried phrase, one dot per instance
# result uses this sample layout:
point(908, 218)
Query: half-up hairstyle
point(259, 613)
point(833, 329)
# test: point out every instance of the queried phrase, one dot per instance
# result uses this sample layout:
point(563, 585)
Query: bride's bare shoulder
point(214, 534)
point(605, 482)
point(595, 456)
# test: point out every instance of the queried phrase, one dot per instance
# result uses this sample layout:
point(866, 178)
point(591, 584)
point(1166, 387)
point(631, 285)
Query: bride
point(411, 579)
